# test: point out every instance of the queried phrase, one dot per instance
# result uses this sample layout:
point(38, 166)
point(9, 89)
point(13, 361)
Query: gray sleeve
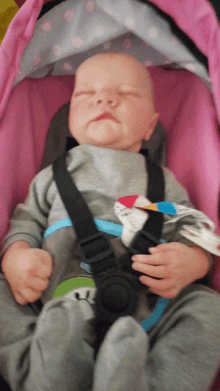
point(181, 353)
point(29, 219)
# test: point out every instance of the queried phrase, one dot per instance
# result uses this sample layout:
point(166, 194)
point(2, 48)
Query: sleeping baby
point(111, 113)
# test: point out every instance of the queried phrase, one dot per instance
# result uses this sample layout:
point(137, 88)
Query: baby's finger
point(166, 293)
point(19, 299)
point(155, 259)
point(26, 296)
point(38, 284)
point(152, 271)
point(154, 284)
point(30, 295)
point(163, 247)
point(43, 271)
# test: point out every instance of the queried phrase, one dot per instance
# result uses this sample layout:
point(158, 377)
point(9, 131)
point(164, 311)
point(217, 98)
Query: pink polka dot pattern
point(46, 26)
point(90, 6)
point(108, 10)
point(99, 30)
point(67, 66)
point(129, 23)
point(153, 32)
point(57, 50)
point(37, 60)
point(68, 15)
point(77, 42)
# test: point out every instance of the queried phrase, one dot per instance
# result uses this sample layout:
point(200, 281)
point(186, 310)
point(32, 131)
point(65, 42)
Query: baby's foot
point(121, 358)
point(61, 356)
point(85, 297)
point(83, 293)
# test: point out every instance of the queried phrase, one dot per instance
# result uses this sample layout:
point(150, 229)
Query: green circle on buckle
point(73, 283)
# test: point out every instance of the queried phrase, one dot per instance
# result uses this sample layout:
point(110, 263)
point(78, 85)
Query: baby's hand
point(175, 264)
point(27, 272)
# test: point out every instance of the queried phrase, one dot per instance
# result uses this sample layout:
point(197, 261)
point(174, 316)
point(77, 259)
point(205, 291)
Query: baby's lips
point(105, 115)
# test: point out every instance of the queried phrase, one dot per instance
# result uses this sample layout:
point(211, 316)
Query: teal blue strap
point(157, 315)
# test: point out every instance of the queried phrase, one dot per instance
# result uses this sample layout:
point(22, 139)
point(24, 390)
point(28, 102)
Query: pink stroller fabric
point(189, 112)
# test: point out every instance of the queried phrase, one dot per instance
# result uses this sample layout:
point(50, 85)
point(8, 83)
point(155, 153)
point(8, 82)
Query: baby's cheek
point(133, 115)
point(74, 124)
point(77, 116)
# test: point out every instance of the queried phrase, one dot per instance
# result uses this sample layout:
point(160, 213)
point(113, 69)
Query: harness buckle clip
point(138, 243)
point(92, 245)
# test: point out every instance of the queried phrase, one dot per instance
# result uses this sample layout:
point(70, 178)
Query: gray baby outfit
point(53, 349)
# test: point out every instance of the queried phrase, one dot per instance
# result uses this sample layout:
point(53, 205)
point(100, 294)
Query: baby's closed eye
point(129, 93)
point(84, 93)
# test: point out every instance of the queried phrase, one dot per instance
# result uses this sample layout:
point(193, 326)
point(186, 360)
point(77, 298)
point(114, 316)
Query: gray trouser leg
point(43, 352)
point(49, 352)
point(181, 353)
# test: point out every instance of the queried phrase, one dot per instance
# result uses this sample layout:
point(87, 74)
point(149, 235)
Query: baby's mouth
point(105, 115)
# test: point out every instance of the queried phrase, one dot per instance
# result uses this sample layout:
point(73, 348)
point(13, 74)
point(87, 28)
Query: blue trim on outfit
point(102, 225)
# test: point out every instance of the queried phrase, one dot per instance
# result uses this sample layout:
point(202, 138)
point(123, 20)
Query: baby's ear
point(152, 126)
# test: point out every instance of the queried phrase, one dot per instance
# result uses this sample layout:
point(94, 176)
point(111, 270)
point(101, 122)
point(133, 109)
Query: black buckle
point(151, 241)
point(100, 256)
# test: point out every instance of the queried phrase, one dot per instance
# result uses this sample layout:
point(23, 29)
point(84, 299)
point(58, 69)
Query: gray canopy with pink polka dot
point(75, 30)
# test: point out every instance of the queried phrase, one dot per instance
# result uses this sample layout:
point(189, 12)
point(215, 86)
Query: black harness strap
point(118, 285)
point(94, 246)
point(150, 235)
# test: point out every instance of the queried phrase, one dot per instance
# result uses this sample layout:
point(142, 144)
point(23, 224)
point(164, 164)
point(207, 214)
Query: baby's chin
point(105, 134)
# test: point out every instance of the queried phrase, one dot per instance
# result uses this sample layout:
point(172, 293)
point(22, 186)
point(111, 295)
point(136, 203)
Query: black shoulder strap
point(156, 185)
point(150, 235)
point(93, 245)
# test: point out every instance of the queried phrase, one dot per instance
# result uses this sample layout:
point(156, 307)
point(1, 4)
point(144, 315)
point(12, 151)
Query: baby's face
point(118, 85)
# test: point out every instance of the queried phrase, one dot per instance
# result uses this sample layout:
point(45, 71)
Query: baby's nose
point(107, 98)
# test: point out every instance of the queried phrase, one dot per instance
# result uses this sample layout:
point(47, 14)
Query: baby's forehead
point(118, 65)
